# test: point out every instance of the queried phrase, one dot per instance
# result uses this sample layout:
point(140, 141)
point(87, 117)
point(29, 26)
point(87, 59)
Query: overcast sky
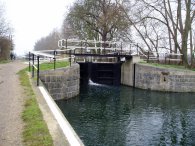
point(33, 19)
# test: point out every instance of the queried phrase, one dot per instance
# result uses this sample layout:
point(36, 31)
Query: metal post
point(137, 50)
point(66, 44)
point(54, 59)
point(148, 57)
point(33, 66)
point(37, 70)
point(54, 64)
point(134, 72)
point(70, 57)
point(29, 62)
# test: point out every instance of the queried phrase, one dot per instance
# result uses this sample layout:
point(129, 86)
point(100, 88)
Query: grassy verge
point(168, 66)
point(4, 61)
point(50, 65)
point(35, 132)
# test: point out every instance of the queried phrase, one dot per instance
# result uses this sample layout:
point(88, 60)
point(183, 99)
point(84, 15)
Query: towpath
point(11, 104)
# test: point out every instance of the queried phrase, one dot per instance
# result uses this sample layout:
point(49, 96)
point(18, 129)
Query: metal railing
point(34, 67)
point(38, 57)
point(35, 56)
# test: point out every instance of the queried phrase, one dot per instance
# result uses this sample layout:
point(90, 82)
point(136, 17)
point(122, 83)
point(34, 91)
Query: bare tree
point(5, 48)
point(49, 42)
point(176, 16)
point(6, 43)
point(67, 31)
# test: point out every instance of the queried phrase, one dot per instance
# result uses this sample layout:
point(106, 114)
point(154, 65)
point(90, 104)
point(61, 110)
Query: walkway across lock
point(99, 61)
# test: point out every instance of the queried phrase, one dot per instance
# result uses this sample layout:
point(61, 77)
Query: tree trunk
point(191, 50)
point(104, 37)
point(185, 34)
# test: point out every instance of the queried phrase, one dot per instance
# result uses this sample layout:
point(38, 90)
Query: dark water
point(123, 116)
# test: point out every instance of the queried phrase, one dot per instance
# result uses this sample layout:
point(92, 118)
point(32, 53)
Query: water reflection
point(122, 116)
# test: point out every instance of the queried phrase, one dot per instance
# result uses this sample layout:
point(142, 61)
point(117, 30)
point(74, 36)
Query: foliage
point(93, 18)
point(49, 42)
point(5, 48)
point(157, 26)
point(4, 61)
point(6, 44)
point(165, 25)
point(35, 131)
point(67, 31)
point(5, 29)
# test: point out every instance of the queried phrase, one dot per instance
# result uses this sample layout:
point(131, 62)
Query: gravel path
point(11, 104)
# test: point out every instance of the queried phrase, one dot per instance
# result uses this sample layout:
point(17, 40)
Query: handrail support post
point(33, 57)
point(37, 70)
point(29, 65)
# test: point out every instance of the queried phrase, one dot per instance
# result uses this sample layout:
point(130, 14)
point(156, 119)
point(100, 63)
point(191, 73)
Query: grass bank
point(4, 61)
point(50, 65)
point(168, 66)
point(35, 132)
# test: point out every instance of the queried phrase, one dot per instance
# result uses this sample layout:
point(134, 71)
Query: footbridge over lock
point(100, 61)
point(103, 62)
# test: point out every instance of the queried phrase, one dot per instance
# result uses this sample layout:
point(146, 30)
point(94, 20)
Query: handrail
point(42, 54)
point(89, 41)
point(34, 67)
point(35, 56)
point(176, 54)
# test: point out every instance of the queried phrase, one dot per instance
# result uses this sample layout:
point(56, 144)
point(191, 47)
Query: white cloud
point(33, 19)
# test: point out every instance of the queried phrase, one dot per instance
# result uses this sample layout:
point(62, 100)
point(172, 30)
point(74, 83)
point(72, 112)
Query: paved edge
point(60, 129)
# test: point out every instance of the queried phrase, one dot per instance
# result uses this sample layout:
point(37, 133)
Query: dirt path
point(11, 104)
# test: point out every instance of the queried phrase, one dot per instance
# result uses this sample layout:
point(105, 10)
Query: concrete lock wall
point(62, 83)
point(155, 78)
point(127, 71)
point(164, 79)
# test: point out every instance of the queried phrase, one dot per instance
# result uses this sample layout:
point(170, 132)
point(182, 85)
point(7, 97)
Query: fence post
point(70, 57)
point(54, 59)
point(29, 69)
point(33, 65)
point(66, 44)
point(37, 70)
point(54, 64)
point(134, 72)
point(148, 56)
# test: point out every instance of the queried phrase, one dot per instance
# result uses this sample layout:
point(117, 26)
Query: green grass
point(4, 61)
point(169, 66)
point(50, 65)
point(35, 132)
